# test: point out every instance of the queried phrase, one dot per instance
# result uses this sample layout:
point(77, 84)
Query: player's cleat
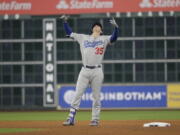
point(94, 123)
point(69, 122)
point(70, 119)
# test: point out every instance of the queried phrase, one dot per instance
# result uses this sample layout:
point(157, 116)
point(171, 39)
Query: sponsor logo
point(68, 96)
point(49, 61)
point(145, 4)
point(62, 5)
point(14, 5)
point(159, 3)
point(84, 4)
point(127, 96)
point(174, 96)
point(117, 96)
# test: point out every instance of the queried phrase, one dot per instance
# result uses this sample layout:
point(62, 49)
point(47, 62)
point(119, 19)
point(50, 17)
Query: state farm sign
point(57, 7)
point(159, 3)
point(84, 4)
point(15, 5)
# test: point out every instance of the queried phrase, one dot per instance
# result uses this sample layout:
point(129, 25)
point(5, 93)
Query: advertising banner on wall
point(174, 96)
point(119, 97)
point(52, 7)
point(49, 62)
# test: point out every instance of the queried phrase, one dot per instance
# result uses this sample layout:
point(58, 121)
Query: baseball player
point(92, 49)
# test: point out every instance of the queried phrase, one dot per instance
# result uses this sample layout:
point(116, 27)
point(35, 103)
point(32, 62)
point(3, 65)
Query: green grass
point(86, 115)
point(14, 130)
point(142, 115)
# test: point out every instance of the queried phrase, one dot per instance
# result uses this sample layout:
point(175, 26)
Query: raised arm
point(115, 33)
point(67, 28)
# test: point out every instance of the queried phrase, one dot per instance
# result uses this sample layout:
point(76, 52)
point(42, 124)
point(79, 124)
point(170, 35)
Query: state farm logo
point(159, 3)
point(62, 5)
point(84, 4)
point(145, 4)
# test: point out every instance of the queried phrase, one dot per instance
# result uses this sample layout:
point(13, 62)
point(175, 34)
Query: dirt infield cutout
point(17, 130)
point(119, 127)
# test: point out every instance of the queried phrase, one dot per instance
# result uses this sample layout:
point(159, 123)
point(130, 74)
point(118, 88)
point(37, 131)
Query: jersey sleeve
point(77, 37)
point(107, 39)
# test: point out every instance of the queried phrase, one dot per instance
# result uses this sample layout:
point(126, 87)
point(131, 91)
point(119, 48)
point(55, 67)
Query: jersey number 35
point(99, 50)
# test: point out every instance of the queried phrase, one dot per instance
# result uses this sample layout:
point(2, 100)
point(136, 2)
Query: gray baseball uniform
point(92, 51)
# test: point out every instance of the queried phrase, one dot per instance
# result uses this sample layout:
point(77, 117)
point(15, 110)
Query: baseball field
point(121, 122)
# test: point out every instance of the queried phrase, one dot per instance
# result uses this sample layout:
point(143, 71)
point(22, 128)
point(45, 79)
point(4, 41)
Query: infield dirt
point(116, 127)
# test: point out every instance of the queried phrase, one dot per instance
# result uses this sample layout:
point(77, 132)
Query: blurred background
point(147, 52)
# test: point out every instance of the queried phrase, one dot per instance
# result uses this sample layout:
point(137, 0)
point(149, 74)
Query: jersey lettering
point(93, 43)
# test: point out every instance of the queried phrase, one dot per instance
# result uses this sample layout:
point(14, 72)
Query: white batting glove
point(113, 22)
point(64, 18)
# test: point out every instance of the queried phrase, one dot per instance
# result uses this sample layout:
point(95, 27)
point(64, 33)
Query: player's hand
point(113, 22)
point(64, 18)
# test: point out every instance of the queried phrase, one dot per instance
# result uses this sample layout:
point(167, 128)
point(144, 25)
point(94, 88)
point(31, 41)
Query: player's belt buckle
point(92, 67)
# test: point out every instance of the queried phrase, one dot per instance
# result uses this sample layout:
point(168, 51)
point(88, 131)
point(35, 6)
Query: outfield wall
point(118, 96)
point(35, 55)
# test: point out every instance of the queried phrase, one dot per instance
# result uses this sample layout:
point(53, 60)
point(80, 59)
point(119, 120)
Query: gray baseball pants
point(94, 78)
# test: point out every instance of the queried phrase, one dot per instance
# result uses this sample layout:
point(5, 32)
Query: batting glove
point(113, 22)
point(64, 18)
